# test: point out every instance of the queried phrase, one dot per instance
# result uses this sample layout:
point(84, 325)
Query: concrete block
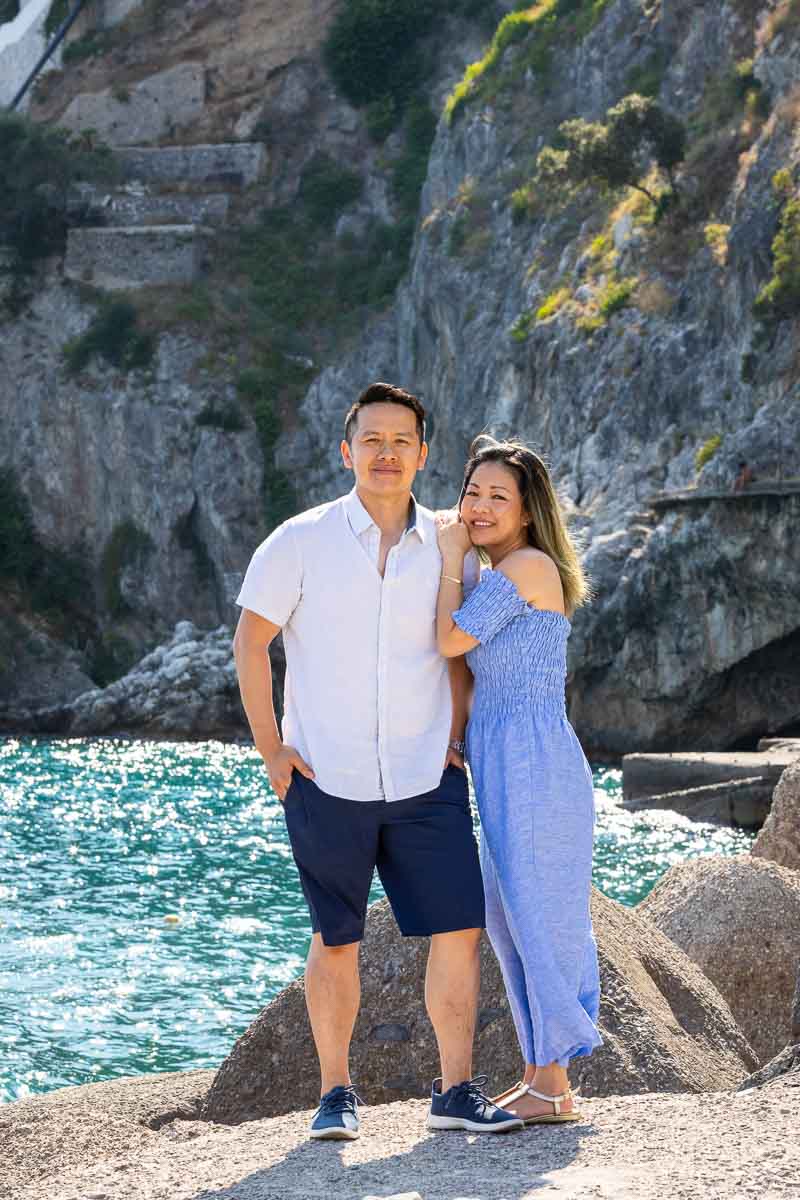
point(125, 258)
point(172, 209)
point(155, 108)
point(233, 164)
point(645, 775)
point(743, 802)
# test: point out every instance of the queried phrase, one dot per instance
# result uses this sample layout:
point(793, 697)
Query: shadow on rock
point(494, 1167)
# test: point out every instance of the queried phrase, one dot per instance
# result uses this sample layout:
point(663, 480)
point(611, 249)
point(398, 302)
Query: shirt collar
point(360, 520)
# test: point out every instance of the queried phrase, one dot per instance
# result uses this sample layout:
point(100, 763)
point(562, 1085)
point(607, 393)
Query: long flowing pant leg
point(541, 850)
point(507, 955)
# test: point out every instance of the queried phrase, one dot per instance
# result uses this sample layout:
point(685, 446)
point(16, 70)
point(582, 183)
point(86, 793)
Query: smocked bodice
point(522, 656)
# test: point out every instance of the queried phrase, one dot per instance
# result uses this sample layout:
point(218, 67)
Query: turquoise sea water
point(149, 906)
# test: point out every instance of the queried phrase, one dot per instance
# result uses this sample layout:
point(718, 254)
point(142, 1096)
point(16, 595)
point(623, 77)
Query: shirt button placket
point(384, 648)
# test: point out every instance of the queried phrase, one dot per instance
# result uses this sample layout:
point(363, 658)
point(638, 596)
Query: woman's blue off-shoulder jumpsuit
point(534, 791)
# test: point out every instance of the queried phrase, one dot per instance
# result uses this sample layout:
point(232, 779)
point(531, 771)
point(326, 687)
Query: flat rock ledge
point(645, 1147)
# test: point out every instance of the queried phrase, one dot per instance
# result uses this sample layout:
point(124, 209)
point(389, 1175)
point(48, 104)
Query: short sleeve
point(273, 582)
point(490, 607)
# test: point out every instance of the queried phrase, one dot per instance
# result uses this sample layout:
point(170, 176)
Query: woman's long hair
point(547, 528)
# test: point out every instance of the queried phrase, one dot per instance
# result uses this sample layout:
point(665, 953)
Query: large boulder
point(785, 1063)
point(74, 1127)
point(738, 919)
point(779, 839)
point(665, 1027)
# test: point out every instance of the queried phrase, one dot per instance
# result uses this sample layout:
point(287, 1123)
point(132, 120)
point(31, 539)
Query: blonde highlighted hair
point(547, 526)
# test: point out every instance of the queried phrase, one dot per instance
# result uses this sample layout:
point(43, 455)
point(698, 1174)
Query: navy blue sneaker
point(466, 1106)
point(337, 1115)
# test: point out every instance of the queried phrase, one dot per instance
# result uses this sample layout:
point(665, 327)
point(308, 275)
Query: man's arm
point(251, 643)
point(460, 691)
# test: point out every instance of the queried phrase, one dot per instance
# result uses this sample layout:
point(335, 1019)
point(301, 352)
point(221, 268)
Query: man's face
point(385, 453)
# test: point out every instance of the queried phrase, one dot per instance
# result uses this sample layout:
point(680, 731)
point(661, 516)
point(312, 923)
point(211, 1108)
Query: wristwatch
point(458, 745)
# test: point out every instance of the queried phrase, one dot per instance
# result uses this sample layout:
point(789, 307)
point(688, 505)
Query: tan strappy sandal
point(555, 1118)
point(514, 1090)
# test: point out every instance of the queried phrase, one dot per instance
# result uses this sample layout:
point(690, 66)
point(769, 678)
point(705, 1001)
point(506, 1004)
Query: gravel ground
point(651, 1147)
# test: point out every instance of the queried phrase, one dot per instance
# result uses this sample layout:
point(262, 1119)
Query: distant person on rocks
point(369, 762)
point(744, 478)
point(533, 784)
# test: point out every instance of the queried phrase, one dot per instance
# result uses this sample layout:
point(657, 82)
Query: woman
point(532, 782)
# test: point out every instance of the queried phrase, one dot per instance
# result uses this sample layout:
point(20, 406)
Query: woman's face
point(492, 507)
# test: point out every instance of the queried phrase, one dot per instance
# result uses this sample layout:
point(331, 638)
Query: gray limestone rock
point(188, 687)
point(664, 1026)
point(779, 839)
point(46, 1135)
point(97, 453)
point(685, 643)
point(738, 919)
point(156, 107)
point(785, 1063)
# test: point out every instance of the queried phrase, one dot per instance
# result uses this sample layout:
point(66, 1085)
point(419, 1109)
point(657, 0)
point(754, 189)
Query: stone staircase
point(155, 227)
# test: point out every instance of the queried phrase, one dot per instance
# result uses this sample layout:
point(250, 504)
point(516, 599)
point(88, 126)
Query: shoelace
point(343, 1099)
point(471, 1089)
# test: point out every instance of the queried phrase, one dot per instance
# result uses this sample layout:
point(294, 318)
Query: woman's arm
point(454, 542)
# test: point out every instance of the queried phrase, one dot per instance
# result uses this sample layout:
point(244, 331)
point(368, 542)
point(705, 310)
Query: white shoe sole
point(336, 1135)
point(435, 1123)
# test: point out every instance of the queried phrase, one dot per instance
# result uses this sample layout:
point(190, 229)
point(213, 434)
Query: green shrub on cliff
point(410, 169)
point(326, 188)
point(372, 52)
point(127, 546)
point(371, 49)
point(611, 154)
point(54, 583)
point(38, 165)
point(56, 16)
point(262, 387)
point(706, 452)
point(780, 297)
point(9, 9)
point(646, 79)
point(541, 26)
point(616, 295)
point(115, 335)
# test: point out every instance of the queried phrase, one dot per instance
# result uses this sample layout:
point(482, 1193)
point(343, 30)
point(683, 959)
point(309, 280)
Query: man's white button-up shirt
point(367, 696)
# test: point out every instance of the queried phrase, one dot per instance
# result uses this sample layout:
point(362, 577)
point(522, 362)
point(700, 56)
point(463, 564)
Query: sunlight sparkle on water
point(105, 842)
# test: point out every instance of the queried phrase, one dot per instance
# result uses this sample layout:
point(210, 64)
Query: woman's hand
point(452, 535)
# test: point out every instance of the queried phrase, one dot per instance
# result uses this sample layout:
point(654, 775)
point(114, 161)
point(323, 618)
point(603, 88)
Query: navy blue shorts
point(424, 850)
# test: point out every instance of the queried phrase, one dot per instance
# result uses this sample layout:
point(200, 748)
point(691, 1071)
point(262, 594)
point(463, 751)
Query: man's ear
point(347, 457)
point(423, 456)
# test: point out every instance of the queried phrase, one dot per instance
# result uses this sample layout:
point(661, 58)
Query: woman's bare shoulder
point(535, 577)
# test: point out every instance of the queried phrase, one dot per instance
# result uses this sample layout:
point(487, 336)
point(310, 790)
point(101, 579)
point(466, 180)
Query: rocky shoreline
point(696, 1089)
point(715, 1145)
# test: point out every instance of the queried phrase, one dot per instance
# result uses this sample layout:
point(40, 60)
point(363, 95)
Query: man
point(744, 478)
point(363, 766)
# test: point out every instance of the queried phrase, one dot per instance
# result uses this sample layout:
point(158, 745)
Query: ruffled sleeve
point(490, 607)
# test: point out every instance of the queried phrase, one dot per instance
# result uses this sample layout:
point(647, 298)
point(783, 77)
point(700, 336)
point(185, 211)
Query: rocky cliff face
point(694, 637)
